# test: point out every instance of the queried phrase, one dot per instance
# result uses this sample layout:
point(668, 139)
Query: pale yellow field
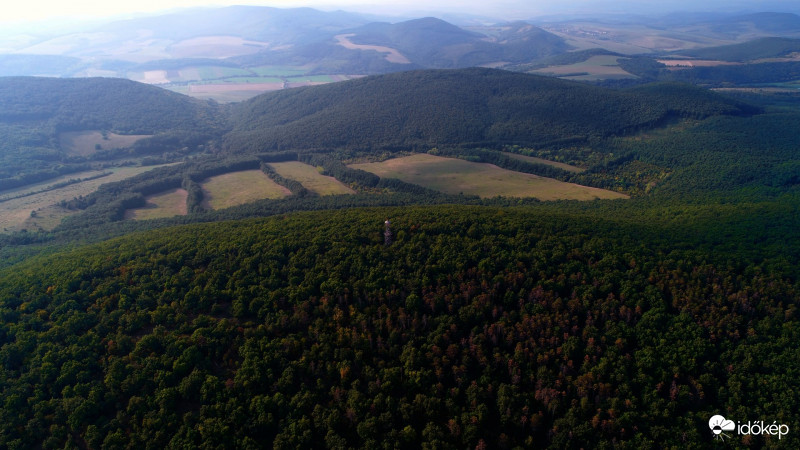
point(392, 55)
point(14, 214)
point(166, 204)
point(454, 176)
point(310, 178)
point(46, 218)
point(237, 188)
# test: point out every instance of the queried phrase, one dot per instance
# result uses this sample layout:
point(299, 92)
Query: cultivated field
point(455, 176)
point(632, 39)
point(685, 63)
point(237, 188)
point(16, 212)
point(533, 159)
point(392, 55)
point(310, 178)
point(85, 143)
point(215, 47)
point(46, 218)
point(225, 84)
point(595, 68)
point(166, 204)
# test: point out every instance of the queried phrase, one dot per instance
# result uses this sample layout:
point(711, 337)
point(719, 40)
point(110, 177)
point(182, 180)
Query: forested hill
point(477, 328)
point(435, 107)
point(769, 47)
point(112, 104)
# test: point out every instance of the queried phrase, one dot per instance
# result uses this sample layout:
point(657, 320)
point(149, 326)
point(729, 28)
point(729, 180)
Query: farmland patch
point(166, 204)
point(19, 206)
point(86, 143)
point(237, 188)
point(455, 176)
point(310, 178)
point(596, 67)
point(392, 55)
point(533, 159)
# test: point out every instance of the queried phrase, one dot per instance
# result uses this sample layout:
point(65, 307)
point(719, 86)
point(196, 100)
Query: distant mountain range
point(246, 37)
point(262, 48)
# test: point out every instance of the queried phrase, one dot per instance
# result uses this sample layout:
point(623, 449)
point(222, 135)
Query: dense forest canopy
point(109, 104)
point(429, 108)
point(476, 327)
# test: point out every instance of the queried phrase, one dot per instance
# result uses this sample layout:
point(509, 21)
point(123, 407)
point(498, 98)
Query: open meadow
point(595, 68)
point(166, 204)
point(86, 143)
point(16, 205)
point(456, 176)
point(547, 162)
point(237, 188)
point(310, 178)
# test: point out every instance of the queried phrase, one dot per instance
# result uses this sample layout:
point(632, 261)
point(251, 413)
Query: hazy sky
point(32, 10)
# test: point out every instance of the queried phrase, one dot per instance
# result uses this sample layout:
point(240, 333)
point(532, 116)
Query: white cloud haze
point(32, 10)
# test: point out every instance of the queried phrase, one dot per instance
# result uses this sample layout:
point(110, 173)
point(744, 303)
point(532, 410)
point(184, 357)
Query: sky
point(24, 11)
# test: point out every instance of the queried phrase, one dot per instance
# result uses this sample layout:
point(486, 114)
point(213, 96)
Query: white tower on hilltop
point(387, 235)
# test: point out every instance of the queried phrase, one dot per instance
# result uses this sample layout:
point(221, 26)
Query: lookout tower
point(387, 235)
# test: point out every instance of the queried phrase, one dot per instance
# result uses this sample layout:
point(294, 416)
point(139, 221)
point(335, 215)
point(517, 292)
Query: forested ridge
point(468, 106)
point(34, 111)
point(112, 104)
point(476, 327)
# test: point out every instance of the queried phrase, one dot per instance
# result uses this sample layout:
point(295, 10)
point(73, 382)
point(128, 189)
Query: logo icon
point(719, 425)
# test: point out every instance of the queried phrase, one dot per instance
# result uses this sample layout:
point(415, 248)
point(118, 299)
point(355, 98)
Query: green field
point(167, 204)
point(279, 71)
point(310, 178)
point(238, 80)
point(455, 176)
point(595, 68)
point(533, 159)
point(212, 72)
point(237, 188)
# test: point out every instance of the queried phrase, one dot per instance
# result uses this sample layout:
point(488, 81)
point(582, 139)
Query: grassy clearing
point(455, 176)
point(279, 71)
point(533, 159)
point(14, 214)
point(245, 80)
point(595, 68)
point(166, 204)
point(310, 178)
point(237, 188)
point(85, 143)
point(46, 218)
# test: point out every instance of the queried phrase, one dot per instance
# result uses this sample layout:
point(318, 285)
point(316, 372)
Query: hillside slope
point(100, 103)
point(428, 108)
point(34, 111)
point(434, 43)
point(769, 47)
